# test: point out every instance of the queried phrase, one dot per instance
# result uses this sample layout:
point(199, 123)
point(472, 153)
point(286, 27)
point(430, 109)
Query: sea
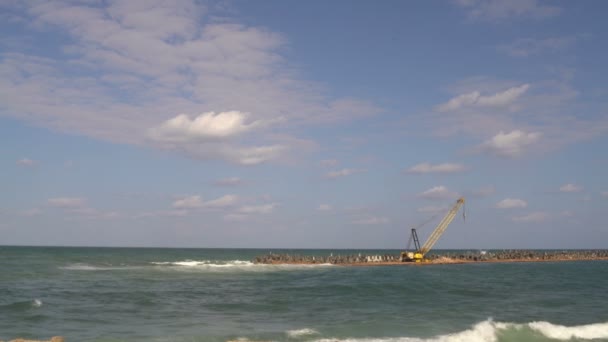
point(191, 295)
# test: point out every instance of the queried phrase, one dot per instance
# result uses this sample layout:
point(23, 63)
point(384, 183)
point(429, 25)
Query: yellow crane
point(419, 254)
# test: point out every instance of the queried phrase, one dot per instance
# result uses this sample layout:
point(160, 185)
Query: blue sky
point(313, 124)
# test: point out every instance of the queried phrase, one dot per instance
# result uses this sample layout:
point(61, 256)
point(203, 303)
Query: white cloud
point(438, 168)
point(66, 202)
point(512, 144)
point(222, 202)
point(604, 193)
point(26, 162)
point(134, 74)
point(342, 173)
point(372, 220)
point(538, 216)
point(324, 207)
point(229, 152)
point(510, 203)
point(204, 127)
point(230, 181)
point(196, 202)
point(475, 99)
point(570, 188)
point(438, 193)
point(553, 106)
point(258, 209)
point(209, 135)
point(188, 202)
point(254, 155)
point(498, 10)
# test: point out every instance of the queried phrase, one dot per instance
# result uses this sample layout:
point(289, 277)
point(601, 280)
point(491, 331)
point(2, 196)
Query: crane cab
point(412, 256)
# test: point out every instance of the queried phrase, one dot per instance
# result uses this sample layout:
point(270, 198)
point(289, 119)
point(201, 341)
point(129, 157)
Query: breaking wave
point(88, 267)
point(489, 331)
point(36, 303)
point(193, 265)
point(22, 305)
point(560, 332)
point(207, 263)
point(231, 265)
point(301, 332)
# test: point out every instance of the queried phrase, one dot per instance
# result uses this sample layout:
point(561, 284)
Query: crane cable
point(409, 242)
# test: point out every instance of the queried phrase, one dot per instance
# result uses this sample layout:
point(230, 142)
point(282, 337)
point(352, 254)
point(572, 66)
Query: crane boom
point(441, 227)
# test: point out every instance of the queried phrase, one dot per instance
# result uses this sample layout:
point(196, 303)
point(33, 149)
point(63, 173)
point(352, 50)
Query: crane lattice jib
point(441, 226)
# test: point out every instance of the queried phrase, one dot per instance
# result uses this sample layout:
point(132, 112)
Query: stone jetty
point(437, 258)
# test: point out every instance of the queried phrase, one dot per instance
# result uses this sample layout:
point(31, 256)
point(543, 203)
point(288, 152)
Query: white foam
point(87, 267)
point(206, 263)
point(481, 332)
point(560, 332)
point(486, 331)
point(36, 303)
point(238, 265)
point(301, 332)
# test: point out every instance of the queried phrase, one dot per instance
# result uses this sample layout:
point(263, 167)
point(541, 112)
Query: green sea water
point(147, 294)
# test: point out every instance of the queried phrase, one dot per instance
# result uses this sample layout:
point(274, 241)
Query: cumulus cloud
point(510, 203)
point(438, 193)
point(475, 99)
point(324, 207)
point(230, 181)
point(437, 168)
point(208, 136)
point(26, 162)
point(66, 202)
point(570, 188)
point(371, 220)
point(538, 216)
point(203, 127)
point(511, 145)
point(258, 209)
point(342, 173)
point(498, 10)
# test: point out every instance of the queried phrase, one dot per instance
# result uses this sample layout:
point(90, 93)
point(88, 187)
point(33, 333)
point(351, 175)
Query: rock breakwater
point(437, 258)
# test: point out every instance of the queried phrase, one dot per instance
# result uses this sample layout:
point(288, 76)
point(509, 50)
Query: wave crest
point(301, 332)
point(560, 332)
point(489, 331)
